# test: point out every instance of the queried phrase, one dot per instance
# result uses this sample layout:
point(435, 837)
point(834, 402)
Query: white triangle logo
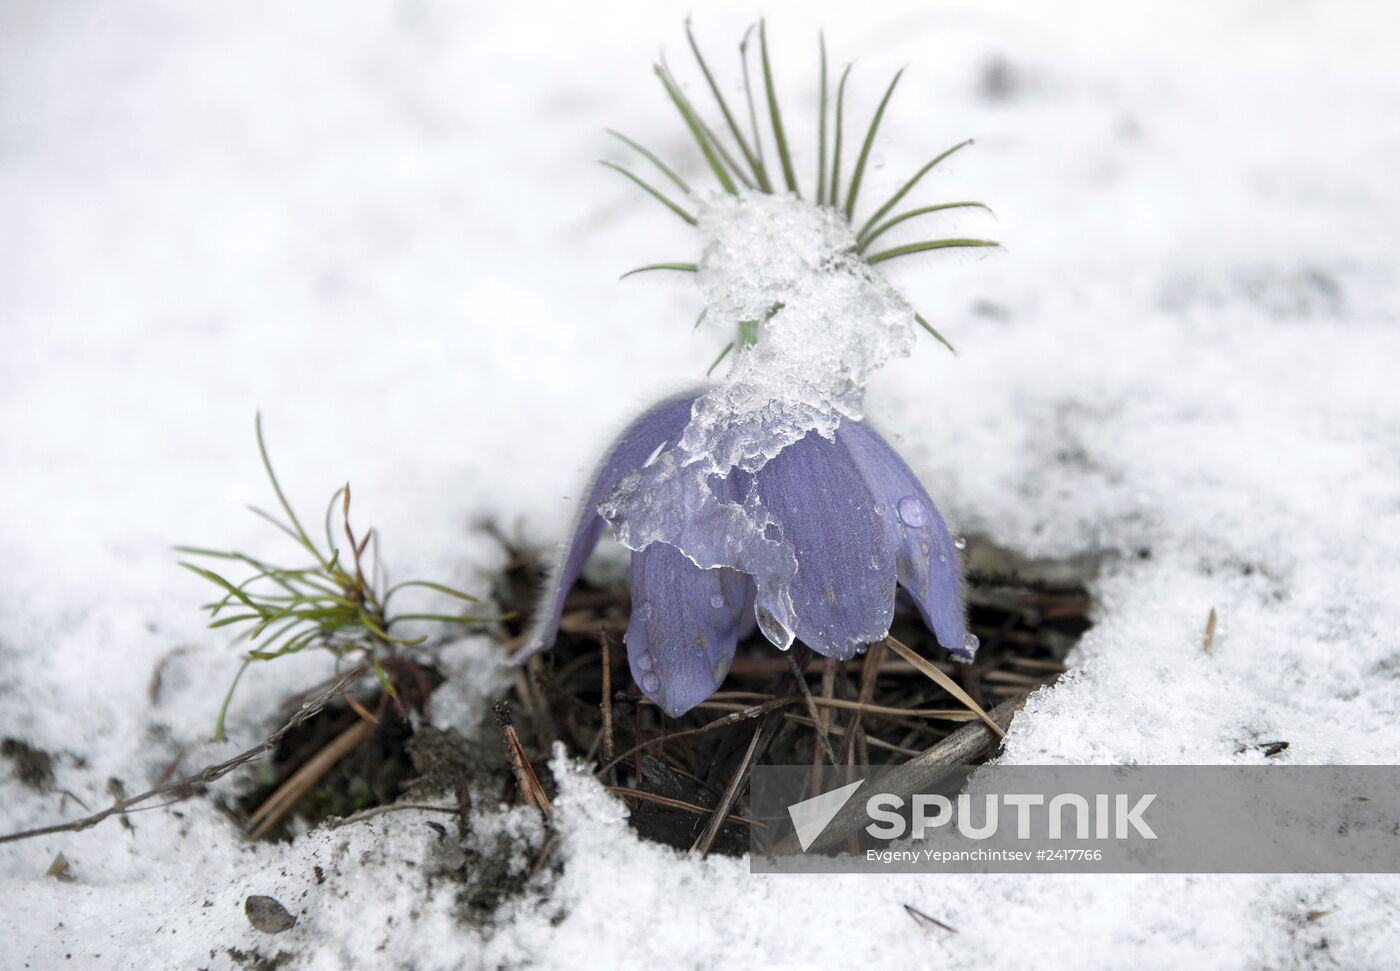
point(811, 816)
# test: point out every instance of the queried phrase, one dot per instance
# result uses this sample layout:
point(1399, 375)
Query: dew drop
point(645, 662)
point(912, 511)
point(881, 508)
point(645, 610)
point(942, 557)
point(773, 628)
point(717, 601)
point(971, 643)
point(650, 682)
point(959, 543)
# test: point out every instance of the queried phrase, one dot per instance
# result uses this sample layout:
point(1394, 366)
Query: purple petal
point(926, 559)
point(661, 423)
point(684, 626)
point(843, 591)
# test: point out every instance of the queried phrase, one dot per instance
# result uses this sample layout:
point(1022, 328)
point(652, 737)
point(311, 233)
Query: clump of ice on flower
point(825, 321)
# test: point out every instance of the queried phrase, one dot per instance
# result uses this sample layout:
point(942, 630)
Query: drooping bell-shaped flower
point(856, 516)
point(806, 519)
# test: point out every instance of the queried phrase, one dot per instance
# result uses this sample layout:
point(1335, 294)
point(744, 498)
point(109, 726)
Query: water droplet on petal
point(942, 557)
point(645, 610)
point(881, 509)
point(772, 628)
point(650, 682)
point(717, 601)
point(912, 511)
point(971, 643)
point(645, 662)
point(960, 543)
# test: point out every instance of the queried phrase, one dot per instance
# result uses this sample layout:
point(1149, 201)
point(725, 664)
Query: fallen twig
point(299, 782)
point(689, 807)
point(742, 714)
point(335, 822)
point(943, 681)
point(870, 670)
point(762, 736)
point(525, 778)
point(606, 702)
point(828, 689)
point(922, 918)
point(184, 787)
point(923, 771)
point(942, 714)
point(817, 720)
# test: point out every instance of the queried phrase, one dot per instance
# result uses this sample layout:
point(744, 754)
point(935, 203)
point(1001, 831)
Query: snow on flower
point(765, 500)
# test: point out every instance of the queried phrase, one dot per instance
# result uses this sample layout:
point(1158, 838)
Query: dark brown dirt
point(33, 767)
point(1027, 613)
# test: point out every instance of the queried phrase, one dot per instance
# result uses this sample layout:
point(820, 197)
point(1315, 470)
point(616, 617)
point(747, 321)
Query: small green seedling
point(339, 601)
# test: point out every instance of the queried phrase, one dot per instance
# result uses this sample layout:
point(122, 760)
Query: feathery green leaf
point(655, 193)
point(651, 157)
point(682, 267)
point(866, 239)
point(910, 248)
point(937, 336)
point(859, 173)
point(697, 129)
point(789, 176)
point(836, 147)
point(904, 190)
point(754, 164)
point(722, 355)
point(821, 127)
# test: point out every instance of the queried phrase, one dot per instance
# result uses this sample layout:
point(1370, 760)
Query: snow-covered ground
point(382, 225)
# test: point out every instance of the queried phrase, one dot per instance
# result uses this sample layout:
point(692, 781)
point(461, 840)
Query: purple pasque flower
point(857, 518)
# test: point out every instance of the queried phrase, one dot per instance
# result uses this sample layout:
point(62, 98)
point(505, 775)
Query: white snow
point(380, 225)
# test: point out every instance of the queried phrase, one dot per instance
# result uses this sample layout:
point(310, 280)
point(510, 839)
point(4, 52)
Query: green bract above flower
point(740, 164)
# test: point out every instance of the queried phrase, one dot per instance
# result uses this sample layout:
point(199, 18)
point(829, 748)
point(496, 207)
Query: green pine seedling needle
point(651, 157)
point(729, 121)
point(937, 336)
point(821, 126)
point(887, 225)
point(762, 170)
point(655, 193)
point(679, 267)
point(913, 181)
point(722, 355)
point(909, 249)
point(228, 697)
point(836, 147)
point(697, 130)
point(749, 168)
point(728, 161)
point(775, 115)
point(859, 172)
point(330, 604)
